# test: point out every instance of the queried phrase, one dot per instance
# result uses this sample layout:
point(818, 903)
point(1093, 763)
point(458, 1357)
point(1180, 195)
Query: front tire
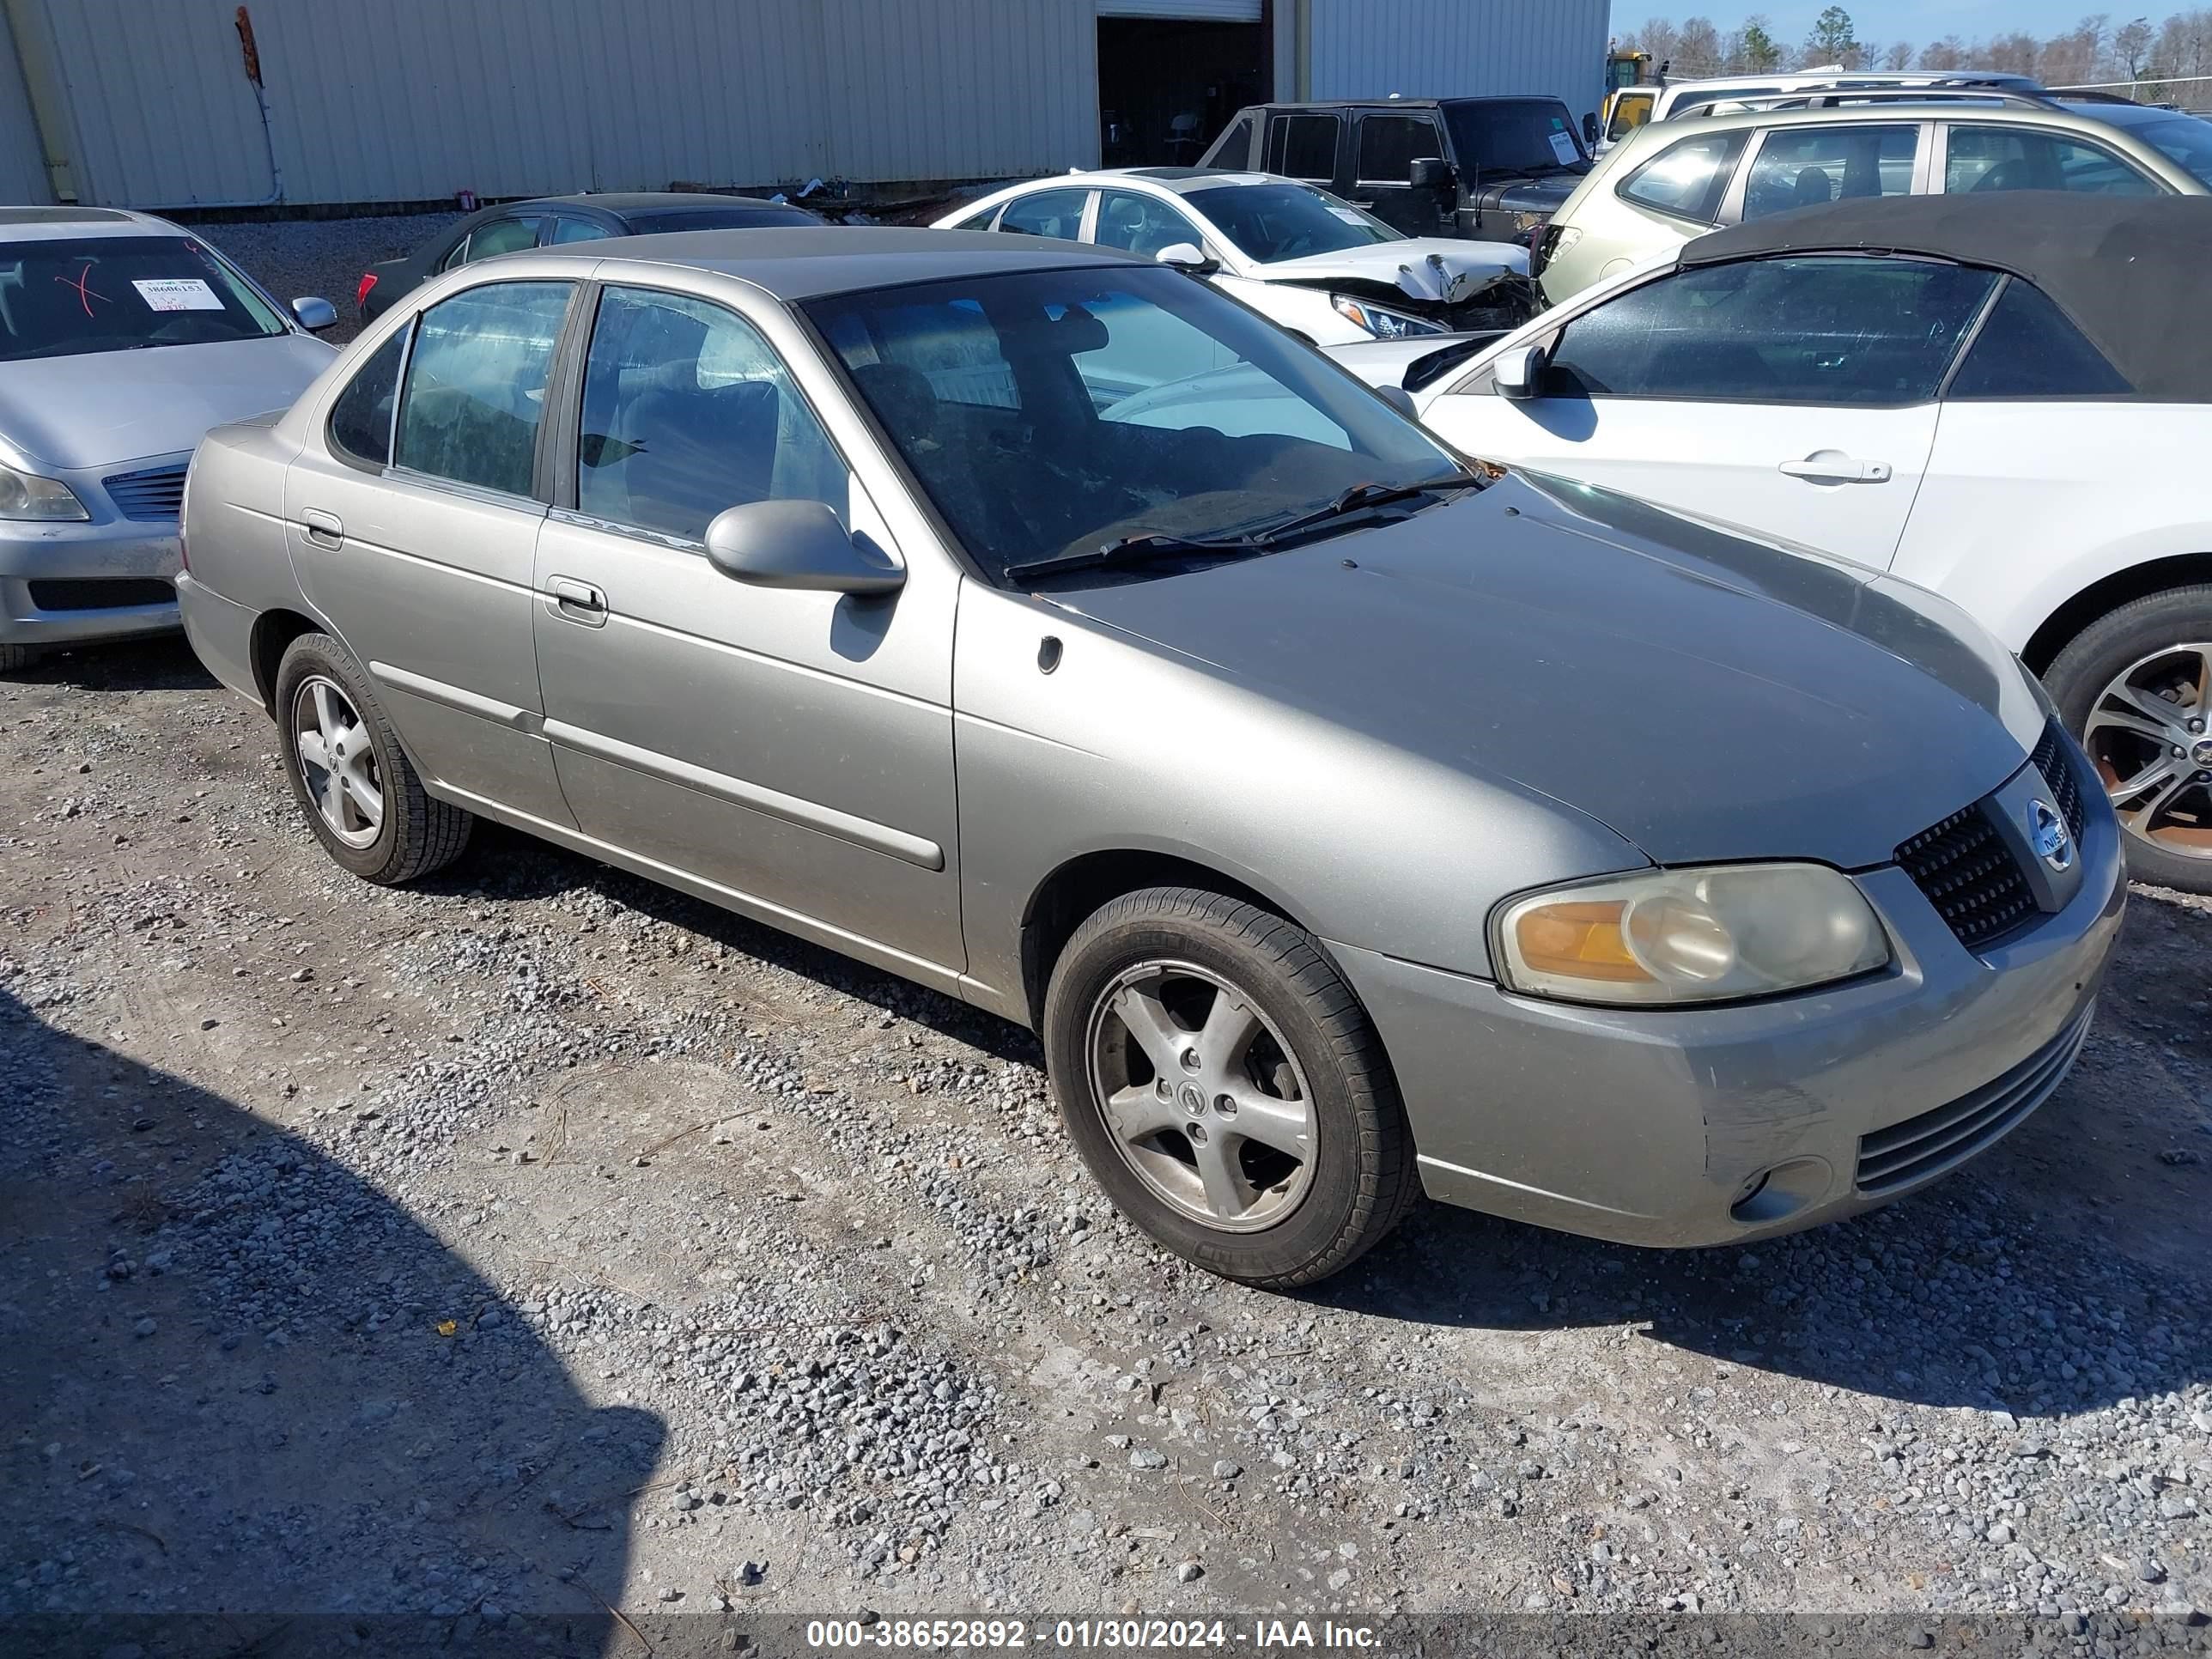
point(1225, 1087)
point(358, 790)
point(2136, 686)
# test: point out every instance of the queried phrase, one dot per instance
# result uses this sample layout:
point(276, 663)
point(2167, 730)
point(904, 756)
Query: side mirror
point(1399, 399)
point(1431, 172)
point(1519, 374)
point(797, 544)
point(1185, 256)
point(1590, 130)
point(315, 315)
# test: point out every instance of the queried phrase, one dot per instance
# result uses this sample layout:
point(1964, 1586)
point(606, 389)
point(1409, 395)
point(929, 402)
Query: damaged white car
point(1300, 256)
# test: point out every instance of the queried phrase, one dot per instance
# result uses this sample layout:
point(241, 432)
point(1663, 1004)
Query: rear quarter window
point(1687, 179)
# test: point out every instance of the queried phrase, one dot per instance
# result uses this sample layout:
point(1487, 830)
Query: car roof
point(1907, 107)
point(2126, 269)
point(44, 224)
point(625, 202)
point(1409, 103)
point(806, 262)
point(1841, 80)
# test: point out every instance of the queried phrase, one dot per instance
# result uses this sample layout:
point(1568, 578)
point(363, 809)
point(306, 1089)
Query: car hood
point(100, 408)
point(1422, 267)
point(1706, 697)
point(1545, 195)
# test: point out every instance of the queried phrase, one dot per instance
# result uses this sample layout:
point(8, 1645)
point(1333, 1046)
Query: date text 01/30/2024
point(987, 1634)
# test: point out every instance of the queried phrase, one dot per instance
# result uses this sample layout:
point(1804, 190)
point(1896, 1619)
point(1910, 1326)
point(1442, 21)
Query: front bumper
point(1707, 1127)
point(66, 584)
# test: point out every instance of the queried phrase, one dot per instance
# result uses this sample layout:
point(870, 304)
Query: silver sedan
point(123, 339)
point(1348, 821)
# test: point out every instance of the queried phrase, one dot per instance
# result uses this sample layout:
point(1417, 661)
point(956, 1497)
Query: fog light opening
point(1778, 1194)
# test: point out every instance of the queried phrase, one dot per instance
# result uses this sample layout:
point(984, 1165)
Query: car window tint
point(578, 230)
point(1687, 178)
point(1388, 145)
point(1143, 224)
point(476, 383)
point(687, 411)
point(2029, 348)
point(1811, 166)
point(1791, 330)
point(1304, 147)
point(1234, 148)
point(1048, 212)
point(500, 236)
point(360, 419)
point(980, 220)
point(1982, 159)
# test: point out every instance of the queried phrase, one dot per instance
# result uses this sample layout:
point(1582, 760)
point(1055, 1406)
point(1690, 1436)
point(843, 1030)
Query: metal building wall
point(22, 157)
point(414, 99)
point(1454, 48)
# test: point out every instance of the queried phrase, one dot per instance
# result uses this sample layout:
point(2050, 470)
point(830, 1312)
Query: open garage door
point(1171, 73)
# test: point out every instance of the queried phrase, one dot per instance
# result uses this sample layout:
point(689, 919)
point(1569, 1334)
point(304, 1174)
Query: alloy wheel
point(1203, 1098)
point(338, 761)
point(2147, 733)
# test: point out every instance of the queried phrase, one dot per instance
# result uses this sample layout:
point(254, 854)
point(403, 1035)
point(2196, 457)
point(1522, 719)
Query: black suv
point(1495, 169)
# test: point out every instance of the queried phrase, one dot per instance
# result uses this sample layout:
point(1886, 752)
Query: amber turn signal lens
point(1580, 940)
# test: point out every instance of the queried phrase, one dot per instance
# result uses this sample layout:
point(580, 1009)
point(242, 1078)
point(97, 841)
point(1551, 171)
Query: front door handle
point(1836, 469)
point(323, 529)
point(580, 602)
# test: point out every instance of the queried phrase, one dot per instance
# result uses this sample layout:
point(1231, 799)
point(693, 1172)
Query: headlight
point(26, 495)
point(1686, 936)
point(1378, 320)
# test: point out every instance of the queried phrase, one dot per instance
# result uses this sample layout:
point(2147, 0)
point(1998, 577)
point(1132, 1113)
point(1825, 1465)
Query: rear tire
point(15, 657)
point(1268, 1145)
point(2160, 645)
point(359, 792)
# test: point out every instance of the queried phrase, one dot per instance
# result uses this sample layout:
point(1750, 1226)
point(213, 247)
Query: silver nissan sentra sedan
point(1347, 820)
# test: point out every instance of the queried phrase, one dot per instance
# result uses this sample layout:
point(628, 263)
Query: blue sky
point(1916, 20)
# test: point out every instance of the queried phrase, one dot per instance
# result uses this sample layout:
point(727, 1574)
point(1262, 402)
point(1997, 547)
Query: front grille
point(2051, 760)
point(151, 496)
point(1969, 874)
point(1923, 1147)
point(101, 595)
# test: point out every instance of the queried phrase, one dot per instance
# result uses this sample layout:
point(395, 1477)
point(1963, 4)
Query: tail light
point(360, 294)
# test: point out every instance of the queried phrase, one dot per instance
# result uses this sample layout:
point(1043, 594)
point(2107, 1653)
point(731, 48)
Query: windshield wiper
point(1148, 548)
point(1359, 498)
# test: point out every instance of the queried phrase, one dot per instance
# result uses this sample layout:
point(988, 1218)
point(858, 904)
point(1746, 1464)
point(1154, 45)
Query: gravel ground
point(324, 257)
point(537, 1237)
point(538, 1240)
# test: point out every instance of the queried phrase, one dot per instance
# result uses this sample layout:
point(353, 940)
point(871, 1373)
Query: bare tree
point(1948, 53)
point(1698, 51)
point(1898, 56)
point(2131, 45)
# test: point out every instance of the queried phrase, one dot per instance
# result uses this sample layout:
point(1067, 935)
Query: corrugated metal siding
point(22, 158)
point(1201, 11)
point(412, 100)
point(1459, 48)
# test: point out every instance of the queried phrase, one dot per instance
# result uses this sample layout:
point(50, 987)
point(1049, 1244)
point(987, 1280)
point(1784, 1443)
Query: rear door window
point(1811, 166)
point(495, 237)
point(1047, 213)
point(1303, 146)
point(1389, 145)
point(566, 229)
point(475, 395)
point(1687, 179)
point(1815, 330)
point(688, 412)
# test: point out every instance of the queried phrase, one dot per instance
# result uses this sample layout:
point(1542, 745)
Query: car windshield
point(1037, 411)
point(2184, 141)
point(1268, 222)
point(61, 298)
point(708, 218)
point(1515, 134)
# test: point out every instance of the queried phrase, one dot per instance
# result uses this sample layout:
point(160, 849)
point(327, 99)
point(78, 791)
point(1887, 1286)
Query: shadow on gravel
point(166, 664)
point(236, 1377)
point(506, 864)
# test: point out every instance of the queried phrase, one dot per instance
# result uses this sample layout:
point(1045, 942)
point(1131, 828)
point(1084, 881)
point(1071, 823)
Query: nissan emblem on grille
point(2047, 833)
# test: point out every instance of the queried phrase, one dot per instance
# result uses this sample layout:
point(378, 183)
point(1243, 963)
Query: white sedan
point(2003, 398)
point(1305, 258)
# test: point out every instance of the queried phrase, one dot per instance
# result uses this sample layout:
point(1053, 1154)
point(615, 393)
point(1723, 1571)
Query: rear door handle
point(580, 602)
point(324, 529)
point(1837, 469)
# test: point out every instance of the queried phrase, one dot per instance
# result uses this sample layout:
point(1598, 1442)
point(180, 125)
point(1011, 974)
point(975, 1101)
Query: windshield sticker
point(1563, 146)
point(1351, 217)
point(177, 294)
